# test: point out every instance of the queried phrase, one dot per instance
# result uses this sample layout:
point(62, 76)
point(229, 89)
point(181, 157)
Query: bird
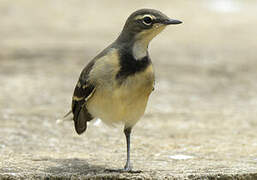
point(115, 85)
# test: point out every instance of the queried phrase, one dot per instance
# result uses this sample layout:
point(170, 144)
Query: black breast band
point(130, 66)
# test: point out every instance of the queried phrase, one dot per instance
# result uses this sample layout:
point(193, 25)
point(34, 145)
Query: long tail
point(59, 121)
point(66, 115)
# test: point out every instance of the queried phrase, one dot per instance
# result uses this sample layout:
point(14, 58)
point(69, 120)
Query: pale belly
point(125, 104)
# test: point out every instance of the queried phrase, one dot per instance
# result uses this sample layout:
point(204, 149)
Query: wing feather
point(83, 91)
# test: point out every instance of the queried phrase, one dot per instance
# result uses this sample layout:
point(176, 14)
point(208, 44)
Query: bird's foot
point(127, 169)
point(122, 171)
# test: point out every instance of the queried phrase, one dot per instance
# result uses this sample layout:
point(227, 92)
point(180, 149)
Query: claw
point(128, 167)
point(122, 171)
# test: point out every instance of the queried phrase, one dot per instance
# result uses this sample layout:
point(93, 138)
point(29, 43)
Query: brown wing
point(83, 91)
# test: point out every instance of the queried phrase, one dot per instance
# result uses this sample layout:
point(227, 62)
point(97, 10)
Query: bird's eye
point(147, 20)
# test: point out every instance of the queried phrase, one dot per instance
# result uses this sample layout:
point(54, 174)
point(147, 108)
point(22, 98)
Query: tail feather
point(66, 115)
point(59, 121)
point(80, 121)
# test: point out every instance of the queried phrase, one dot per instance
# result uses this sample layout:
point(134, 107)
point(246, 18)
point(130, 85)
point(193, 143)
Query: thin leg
point(128, 167)
point(127, 132)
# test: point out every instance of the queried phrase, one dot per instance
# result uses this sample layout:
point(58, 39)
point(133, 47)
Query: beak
point(171, 21)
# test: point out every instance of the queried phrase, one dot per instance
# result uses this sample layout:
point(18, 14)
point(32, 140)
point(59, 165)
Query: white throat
point(139, 49)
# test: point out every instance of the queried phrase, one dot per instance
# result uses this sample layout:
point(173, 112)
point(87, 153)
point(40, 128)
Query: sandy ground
point(200, 121)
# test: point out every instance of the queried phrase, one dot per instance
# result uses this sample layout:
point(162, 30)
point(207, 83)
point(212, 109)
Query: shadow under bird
point(116, 84)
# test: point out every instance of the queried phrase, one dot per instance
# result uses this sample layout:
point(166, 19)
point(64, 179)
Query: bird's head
point(144, 25)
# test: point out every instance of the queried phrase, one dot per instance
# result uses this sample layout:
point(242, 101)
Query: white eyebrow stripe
point(145, 15)
point(138, 17)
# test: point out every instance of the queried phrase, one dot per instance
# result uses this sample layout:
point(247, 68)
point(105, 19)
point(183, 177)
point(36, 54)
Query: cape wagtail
point(116, 84)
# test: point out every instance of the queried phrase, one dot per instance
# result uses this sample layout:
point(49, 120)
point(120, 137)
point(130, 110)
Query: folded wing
point(83, 91)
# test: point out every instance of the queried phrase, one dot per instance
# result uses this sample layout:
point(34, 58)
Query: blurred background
point(205, 68)
point(209, 60)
